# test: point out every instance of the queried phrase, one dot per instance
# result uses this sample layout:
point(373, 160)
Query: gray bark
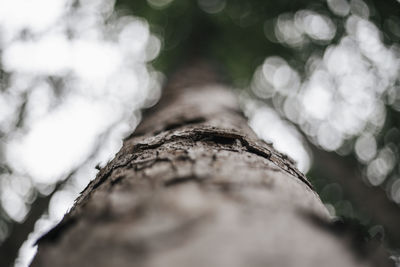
point(193, 186)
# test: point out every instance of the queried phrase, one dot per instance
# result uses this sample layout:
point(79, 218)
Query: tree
point(202, 33)
point(193, 186)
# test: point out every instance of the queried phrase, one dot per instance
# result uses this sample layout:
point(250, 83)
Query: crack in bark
point(180, 180)
point(220, 136)
point(180, 123)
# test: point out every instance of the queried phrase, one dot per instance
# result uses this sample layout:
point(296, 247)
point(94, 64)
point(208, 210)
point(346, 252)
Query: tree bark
point(193, 186)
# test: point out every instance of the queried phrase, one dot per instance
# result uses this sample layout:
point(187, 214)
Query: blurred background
point(320, 79)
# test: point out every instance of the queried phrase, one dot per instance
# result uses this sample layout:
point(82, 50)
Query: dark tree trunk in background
point(193, 186)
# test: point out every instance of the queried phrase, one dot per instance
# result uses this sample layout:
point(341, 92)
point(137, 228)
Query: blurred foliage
point(239, 33)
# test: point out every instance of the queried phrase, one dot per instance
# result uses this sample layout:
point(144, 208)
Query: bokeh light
point(80, 73)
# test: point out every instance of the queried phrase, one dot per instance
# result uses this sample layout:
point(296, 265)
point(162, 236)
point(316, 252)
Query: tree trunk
point(193, 186)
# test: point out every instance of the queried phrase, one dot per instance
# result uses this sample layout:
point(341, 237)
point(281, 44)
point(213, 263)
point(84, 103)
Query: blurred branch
point(9, 248)
point(22, 111)
point(371, 199)
point(20, 231)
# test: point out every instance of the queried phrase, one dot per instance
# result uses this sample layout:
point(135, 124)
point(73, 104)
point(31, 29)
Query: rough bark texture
point(193, 186)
